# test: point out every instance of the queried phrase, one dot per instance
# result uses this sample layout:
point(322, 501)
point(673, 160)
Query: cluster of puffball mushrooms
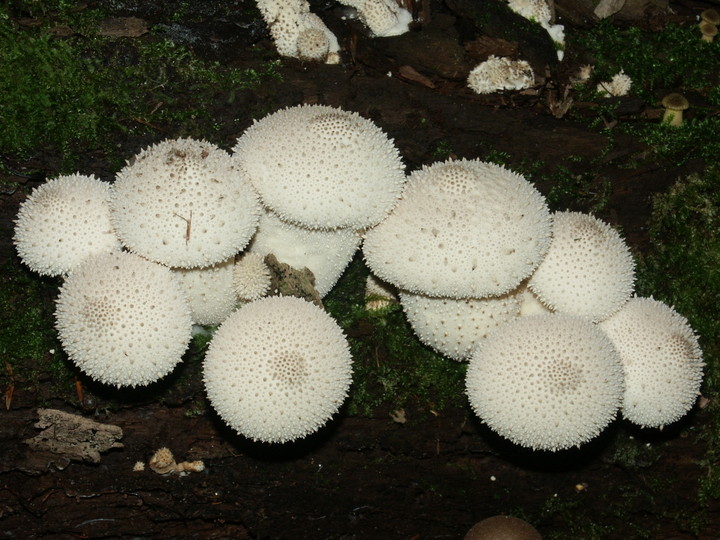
point(540, 305)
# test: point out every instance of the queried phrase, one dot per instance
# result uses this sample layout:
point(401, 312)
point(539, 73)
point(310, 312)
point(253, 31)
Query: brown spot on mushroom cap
point(711, 16)
point(503, 528)
point(675, 102)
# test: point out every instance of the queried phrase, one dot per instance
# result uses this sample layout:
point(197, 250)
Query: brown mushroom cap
point(711, 16)
point(503, 528)
point(708, 29)
point(675, 102)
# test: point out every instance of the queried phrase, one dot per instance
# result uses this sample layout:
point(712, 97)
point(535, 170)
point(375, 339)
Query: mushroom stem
point(672, 117)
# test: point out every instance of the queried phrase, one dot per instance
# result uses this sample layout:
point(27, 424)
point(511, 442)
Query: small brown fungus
point(674, 104)
point(711, 16)
point(708, 31)
point(502, 528)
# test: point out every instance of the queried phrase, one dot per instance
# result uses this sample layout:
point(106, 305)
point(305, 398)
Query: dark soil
point(438, 473)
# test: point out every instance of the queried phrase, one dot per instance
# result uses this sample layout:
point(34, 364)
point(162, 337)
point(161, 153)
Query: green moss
point(391, 367)
point(66, 95)
point(28, 342)
point(682, 268)
point(675, 57)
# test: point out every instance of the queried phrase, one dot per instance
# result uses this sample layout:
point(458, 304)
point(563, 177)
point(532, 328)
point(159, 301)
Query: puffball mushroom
point(251, 277)
point(588, 270)
point(183, 203)
point(384, 18)
point(324, 253)
point(209, 291)
point(454, 327)
point(321, 167)
point(662, 361)
point(123, 320)
point(500, 73)
point(277, 369)
point(502, 528)
point(546, 382)
point(674, 104)
point(288, 20)
point(463, 229)
point(62, 222)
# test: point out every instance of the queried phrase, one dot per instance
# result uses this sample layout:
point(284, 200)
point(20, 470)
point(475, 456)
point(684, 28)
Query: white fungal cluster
point(619, 85)
point(500, 73)
point(297, 32)
point(539, 304)
point(384, 18)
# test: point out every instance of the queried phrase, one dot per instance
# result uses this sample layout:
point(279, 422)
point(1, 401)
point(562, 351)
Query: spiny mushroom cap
point(312, 44)
point(662, 361)
point(322, 167)
point(529, 303)
point(277, 369)
point(123, 320)
point(379, 294)
point(454, 327)
point(547, 382)
point(62, 222)
point(500, 73)
point(675, 102)
point(183, 203)
point(534, 10)
point(588, 270)
point(251, 277)
point(463, 229)
point(209, 291)
point(324, 253)
point(502, 528)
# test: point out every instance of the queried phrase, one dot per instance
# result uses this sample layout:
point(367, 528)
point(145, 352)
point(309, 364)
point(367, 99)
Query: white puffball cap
point(183, 203)
point(209, 291)
point(462, 229)
point(662, 361)
point(454, 327)
point(123, 320)
point(62, 222)
point(588, 270)
point(277, 369)
point(326, 253)
point(321, 167)
point(547, 382)
point(251, 277)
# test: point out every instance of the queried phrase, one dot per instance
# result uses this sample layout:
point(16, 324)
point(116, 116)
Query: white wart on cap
point(322, 167)
point(588, 269)
point(662, 361)
point(454, 327)
point(183, 203)
point(123, 320)
point(277, 369)
point(463, 229)
point(547, 382)
point(62, 222)
point(326, 253)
